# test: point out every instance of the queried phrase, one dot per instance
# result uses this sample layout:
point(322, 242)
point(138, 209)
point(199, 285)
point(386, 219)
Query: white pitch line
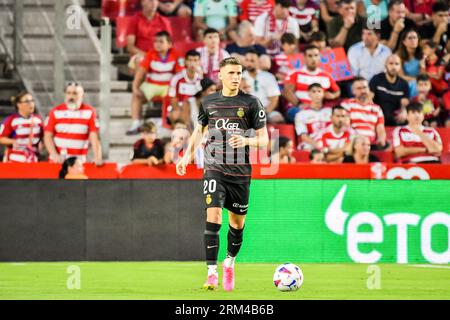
point(429, 266)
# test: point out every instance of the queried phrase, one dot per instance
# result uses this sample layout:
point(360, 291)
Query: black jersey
point(225, 116)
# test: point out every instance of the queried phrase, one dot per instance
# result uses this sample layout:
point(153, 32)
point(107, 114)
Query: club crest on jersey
point(225, 124)
point(241, 112)
point(208, 199)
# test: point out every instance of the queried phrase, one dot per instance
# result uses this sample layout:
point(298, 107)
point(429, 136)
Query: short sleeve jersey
point(225, 116)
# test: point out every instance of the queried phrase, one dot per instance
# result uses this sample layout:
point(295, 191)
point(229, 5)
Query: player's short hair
point(310, 47)
point(192, 53)
point(439, 6)
point(414, 107)
point(230, 61)
point(210, 30)
point(284, 3)
point(338, 107)
point(148, 127)
point(164, 34)
point(318, 36)
point(288, 38)
point(314, 85)
point(423, 77)
point(393, 3)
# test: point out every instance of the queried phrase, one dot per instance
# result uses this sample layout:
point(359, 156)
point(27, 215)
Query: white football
point(288, 277)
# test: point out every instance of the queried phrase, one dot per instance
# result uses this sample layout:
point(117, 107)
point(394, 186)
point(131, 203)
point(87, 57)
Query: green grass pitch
point(183, 280)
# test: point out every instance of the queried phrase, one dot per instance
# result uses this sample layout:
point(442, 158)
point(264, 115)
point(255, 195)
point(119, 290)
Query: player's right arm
point(194, 142)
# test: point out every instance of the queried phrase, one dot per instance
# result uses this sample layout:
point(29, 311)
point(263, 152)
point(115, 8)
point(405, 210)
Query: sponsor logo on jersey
point(225, 124)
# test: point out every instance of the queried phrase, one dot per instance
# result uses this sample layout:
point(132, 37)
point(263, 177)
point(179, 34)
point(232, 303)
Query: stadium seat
point(182, 47)
point(113, 9)
point(181, 29)
point(301, 155)
point(384, 156)
point(286, 130)
point(445, 158)
point(122, 24)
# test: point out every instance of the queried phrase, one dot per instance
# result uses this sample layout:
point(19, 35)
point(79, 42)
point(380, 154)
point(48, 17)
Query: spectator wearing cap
point(360, 153)
point(438, 29)
point(263, 85)
point(345, 29)
point(367, 57)
point(270, 27)
point(216, 14)
point(22, 131)
point(415, 143)
point(192, 106)
point(395, 24)
point(142, 31)
point(71, 127)
point(184, 85)
point(148, 150)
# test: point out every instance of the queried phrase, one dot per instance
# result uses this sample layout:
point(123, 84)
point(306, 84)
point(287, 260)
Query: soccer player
point(229, 115)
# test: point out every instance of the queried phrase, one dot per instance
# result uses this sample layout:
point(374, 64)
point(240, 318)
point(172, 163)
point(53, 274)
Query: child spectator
point(416, 143)
point(142, 32)
point(281, 65)
point(251, 9)
point(312, 119)
point(434, 67)
point(184, 85)
point(22, 131)
point(179, 141)
point(282, 150)
point(211, 54)
point(317, 156)
point(360, 153)
point(431, 106)
point(148, 150)
point(335, 139)
point(72, 169)
point(153, 77)
point(306, 14)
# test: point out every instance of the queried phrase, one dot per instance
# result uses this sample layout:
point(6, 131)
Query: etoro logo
point(341, 223)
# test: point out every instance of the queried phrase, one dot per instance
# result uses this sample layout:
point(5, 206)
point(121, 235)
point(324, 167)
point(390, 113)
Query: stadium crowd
point(398, 73)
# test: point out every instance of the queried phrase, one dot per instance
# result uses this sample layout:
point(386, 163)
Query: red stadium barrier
point(44, 170)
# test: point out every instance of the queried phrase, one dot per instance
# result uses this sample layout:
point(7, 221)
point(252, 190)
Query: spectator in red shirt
point(419, 11)
point(305, 12)
point(434, 67)
point(71, 127)
point(296, 84)
point(416, 143)
point(22, 131)
point(153, 77)
point(142, 31)
point(251, 9)
point(171, 8)
point(184, 86)
point(430, 103)
point(335, 139)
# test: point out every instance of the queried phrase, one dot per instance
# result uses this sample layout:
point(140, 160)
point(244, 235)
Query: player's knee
point(214, 215)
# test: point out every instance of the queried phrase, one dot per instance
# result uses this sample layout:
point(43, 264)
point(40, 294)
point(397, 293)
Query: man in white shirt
point(270, 26)
point(263, 85)
point(367, 58)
